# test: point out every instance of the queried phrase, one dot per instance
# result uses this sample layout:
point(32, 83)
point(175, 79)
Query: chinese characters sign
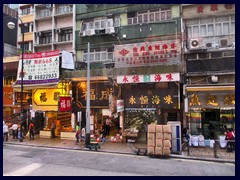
point(39, 68)
point(148, 54)
point(148, 78)
point(47, 97)
point(99, 95)
point(149, 96)
point(65, 104)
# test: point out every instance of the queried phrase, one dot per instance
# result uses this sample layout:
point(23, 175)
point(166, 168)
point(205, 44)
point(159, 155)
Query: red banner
point(65, 104)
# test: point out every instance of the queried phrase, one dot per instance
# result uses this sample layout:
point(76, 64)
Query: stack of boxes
point(159, 140)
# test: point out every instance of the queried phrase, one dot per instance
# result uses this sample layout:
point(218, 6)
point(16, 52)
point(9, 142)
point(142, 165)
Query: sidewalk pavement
point(196, 153)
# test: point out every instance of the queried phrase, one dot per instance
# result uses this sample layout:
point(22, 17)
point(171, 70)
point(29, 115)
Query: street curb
point(114, 152)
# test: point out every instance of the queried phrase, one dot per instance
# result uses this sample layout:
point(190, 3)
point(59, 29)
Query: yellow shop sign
point(47, 97)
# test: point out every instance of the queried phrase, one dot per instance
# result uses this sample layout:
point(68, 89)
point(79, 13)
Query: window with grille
point(211, 26)
point(44, 13)
point(65, 35)
point(25, 11)
point(155, 15)
point(64, 9)
point(45, 38)
point(101, 23)
point(98, 56)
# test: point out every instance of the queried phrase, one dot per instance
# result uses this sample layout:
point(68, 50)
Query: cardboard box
point(150, 150)
point(167, 136)
point(159, 136)
point(158, 151)
point(151, 128)
point(151, 143)
point(167, 129)
point(151, 136)
point(166, 151)
point(159, 128)
point(167, 143)
point(159, 143)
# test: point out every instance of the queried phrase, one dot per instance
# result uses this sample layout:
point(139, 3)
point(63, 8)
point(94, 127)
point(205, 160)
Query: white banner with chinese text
point(124, 79)
point(39, 68)
point(148, 54)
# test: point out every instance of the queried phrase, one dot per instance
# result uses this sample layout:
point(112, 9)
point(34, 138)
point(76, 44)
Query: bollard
point(188, 150)
point(215, 150)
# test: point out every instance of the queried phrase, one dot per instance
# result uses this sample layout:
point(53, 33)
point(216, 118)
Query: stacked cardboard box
point(167, 137)
point(159, 139)
point(151, 139)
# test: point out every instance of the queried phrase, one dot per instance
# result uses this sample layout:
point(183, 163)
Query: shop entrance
point(211, 123)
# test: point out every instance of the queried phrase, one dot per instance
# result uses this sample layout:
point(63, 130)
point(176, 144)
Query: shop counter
point(68, 135)
point(45, 134)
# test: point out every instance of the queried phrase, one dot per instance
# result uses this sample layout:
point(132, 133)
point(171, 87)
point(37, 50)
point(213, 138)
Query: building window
point(26, 27)
point(101, 23)
point(65, 35)
point(63, 9)
point(98, 56)
point(44, 13)
point(155, 15)
point(45, 38)
point(25, 11)
point(212, 26)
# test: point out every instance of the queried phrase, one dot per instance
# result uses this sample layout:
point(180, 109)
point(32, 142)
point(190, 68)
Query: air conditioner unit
point(212, 45)
point(82, 33)
point(225, 42)
point(194, 44)
point(110, 30)
point(90, 32)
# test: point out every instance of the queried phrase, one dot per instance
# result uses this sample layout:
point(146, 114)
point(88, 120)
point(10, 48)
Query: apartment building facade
point(209, 54)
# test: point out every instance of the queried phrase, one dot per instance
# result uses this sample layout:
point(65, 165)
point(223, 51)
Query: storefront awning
point(17, 88)
point(210, 88)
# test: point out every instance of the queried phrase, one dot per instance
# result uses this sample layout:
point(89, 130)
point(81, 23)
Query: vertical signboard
point(65, 104)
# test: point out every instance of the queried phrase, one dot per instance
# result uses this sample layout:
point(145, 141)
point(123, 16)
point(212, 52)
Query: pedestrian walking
point(31, 130)
point(5, 131)
point(230, 137)
point(77, 135)
point(53, 129)
point(15, 130)
point(108, 123)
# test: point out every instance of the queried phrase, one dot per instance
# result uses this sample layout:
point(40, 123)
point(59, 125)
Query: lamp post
point(11, 25)
point(87, 141)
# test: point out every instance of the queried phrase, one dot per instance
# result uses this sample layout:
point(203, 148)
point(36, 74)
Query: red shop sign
point(65, 104)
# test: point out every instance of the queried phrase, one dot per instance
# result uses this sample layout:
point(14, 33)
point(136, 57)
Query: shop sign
point(169, 77)
point(47, 97)
point(139, 97)
point(99, 94)
point(65, 104)
point(148, 54)
point(120, 105)
point(39, 68)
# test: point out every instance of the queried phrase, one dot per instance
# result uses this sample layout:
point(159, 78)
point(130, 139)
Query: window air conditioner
point(90, 32)
point(194, 44)
point(110, 30)
point(82, 33)
point(225, 42)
